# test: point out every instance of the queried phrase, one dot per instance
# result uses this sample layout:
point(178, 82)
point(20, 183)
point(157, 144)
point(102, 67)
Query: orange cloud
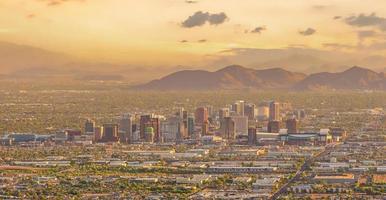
point(58, 2)
point(30, 16)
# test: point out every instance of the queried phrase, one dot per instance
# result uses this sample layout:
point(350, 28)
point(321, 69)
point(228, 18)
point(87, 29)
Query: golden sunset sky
point(193, 33)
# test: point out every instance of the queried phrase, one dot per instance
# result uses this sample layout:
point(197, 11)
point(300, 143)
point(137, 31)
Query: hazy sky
point(194, 33)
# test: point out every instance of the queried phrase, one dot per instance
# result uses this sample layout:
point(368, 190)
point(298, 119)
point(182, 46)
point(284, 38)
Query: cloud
point(30, 16)
point(197, 19)
point(337, 17)
point(376, 38)
point(259, 29)
point(215, 19)
point(363, 20)
point(200, 18)
point(338, 46)
point(58, 2)
point(307, 32)
point(297, 46)
point(190, 1)
point(307, 60)
point(366, 34)
point(199, 41)
point(54, 3)
point(321, 7)
point(378, 45)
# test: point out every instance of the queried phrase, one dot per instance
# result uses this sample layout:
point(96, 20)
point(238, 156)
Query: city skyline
point(192, 99)
point(116, 143)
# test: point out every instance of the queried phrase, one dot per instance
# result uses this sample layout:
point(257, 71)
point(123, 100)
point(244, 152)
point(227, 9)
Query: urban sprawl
point(240, 151)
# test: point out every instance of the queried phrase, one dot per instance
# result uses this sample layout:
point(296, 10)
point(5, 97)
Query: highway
point(308, 162)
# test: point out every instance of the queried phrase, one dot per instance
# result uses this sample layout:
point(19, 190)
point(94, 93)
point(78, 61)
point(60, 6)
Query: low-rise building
point(332, 179)
point(266, 183)
point(242, 179)
point(237, 170)
point(145, 180)
point(301, 189)
point(195, 179)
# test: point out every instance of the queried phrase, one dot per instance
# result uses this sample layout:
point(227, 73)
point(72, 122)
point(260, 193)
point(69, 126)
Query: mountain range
point(238, 77)
point(19, 61)
point(33, 63)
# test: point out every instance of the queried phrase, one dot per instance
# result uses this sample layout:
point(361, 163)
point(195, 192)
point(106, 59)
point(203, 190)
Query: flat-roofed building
point(239, 170)
point(241, 124)
point(266, 183)
point(333, 179)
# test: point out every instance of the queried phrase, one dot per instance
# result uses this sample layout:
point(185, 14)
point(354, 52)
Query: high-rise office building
point(89, 127)
point(174, 128)
point(238, 107)
point(125, 128)
point(292, 125)
point(72, 133)
point(300, 114)
point(110, 133)
point(252, 136)
point(249, 111)
point(150, 121)
point(274, 111)
point(263, 112)
point(149, 135)
point(241, 124)
point(223, 112)
point(181, 133)
point(185, 115)
point(135, 127)
point(205, 128)
point(273, 127)
point(190, 126)
point(228, 128)
point(285, 106)
point(180, 112)
point(98, 134)
point(201, 115)
point(210, 111)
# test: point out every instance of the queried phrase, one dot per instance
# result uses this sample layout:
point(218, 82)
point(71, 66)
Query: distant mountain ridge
point(355, 78)
point(238, 77)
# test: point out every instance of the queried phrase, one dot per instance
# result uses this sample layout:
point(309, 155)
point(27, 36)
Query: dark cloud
point(197, 19)
point(378, 45)
point(366, 34)
point(30, 16)
point(337, 17)
point(54, 3)
point(307, 32)
point(190, 1)
point(259, 29)
point(200, 18)
point(338, 46)
point(58, 2)
point(321, 7)
point(363, 20)
point(199, 41)
point(215, 19)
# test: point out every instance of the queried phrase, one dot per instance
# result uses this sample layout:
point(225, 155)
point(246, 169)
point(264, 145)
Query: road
point(303, 168)
point(13, 167)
